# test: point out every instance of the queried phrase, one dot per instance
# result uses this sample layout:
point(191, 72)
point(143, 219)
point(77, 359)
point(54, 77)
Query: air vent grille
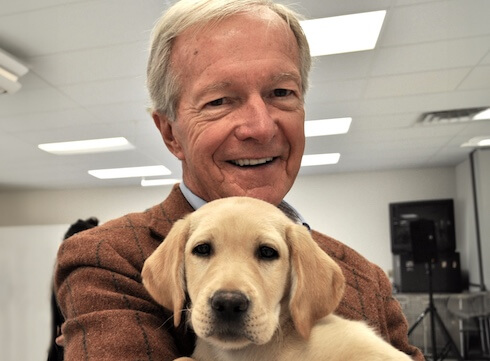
point(449, 116)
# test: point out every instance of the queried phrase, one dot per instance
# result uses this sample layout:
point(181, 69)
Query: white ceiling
point(87, 62)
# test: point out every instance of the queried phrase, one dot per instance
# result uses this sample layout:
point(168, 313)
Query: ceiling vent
point(451, 116)
point(10, 72)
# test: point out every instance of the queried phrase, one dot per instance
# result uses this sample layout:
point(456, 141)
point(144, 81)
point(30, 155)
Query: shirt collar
point(197, 202)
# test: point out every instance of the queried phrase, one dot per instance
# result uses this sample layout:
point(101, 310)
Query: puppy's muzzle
point(229, 307)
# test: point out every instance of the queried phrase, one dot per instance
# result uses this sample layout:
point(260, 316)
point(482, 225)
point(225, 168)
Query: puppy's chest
point(288, 349)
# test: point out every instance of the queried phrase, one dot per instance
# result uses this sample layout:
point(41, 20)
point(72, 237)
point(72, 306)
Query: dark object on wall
point(440, 212)
point(424, 244)
point(410, 276)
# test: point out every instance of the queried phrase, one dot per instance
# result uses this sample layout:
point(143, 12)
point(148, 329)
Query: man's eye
point(216, 102)
point(282, 92)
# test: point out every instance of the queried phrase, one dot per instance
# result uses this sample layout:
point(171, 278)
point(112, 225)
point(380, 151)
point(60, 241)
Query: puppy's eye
point(203, 250)
point(267, 253)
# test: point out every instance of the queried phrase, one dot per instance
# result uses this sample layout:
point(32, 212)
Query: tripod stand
point(431, 310)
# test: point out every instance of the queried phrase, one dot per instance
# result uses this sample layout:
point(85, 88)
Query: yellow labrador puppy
point(259, 286)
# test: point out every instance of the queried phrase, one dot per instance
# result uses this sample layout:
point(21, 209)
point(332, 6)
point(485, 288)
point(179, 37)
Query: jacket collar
point(165, 214)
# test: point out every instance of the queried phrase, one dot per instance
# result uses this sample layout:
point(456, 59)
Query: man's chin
point(270, 193)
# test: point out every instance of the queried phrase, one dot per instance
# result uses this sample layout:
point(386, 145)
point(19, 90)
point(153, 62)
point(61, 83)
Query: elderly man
point(227, 80)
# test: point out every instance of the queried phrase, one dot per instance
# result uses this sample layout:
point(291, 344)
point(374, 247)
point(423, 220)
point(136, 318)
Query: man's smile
point(251, 162)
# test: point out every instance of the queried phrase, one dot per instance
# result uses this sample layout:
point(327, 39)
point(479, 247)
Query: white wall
point(27, 257)
point(466, 233)
point(55, 207)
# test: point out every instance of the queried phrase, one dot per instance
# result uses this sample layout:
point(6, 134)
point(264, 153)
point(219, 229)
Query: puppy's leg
point(184, 359)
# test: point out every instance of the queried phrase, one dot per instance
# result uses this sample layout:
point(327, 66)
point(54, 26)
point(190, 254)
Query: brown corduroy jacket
point(110, 316)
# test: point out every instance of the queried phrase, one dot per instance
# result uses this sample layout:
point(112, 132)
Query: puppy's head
point(239, 259)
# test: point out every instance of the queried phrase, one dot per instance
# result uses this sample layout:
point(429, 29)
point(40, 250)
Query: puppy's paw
point(184, 359)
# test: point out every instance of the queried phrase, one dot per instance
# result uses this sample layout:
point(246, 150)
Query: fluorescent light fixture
point(343, 34)
point(159, 182)
point(8, 75)
point(483, 141)
point(87, 146)
point(320, 159)
point(316, 128)
point(484, 114)
point(131, 172)
point(10, 72)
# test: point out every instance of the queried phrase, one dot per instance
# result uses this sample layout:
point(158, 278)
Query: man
point(227, 81)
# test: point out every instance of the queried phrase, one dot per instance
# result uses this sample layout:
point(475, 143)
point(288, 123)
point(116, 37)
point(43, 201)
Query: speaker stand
point(431, 310)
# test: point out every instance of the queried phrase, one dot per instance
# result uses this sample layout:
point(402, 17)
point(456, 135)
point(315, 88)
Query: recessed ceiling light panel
point(343, 34)
point(320, 159)
point(322, 127)
point(131, 172)
point(482, 141)
point(483, 115)
point(158, 182)
point(87, 146)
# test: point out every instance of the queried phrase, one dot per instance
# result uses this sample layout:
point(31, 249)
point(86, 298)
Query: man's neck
point(196, 202)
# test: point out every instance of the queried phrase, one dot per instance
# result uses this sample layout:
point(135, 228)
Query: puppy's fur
point(259, 286)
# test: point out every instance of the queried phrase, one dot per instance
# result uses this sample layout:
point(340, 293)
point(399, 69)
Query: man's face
point(239, 129)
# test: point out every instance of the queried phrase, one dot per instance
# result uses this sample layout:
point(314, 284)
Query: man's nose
point(256, 121)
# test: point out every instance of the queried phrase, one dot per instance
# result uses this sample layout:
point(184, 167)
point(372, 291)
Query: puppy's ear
point(317, 281)
point(163, 271)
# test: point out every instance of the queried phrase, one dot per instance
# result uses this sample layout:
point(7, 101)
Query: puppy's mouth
point(230, 336)
point(232, 339)
point(246, 162)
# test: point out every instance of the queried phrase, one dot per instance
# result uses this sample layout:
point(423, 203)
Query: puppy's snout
point(229, 305)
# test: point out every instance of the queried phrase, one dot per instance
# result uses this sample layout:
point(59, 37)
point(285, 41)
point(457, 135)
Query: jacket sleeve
point(109, 315)
point(396, 323)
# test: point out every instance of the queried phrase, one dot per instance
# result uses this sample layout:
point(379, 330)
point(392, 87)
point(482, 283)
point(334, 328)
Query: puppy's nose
point(229, 305)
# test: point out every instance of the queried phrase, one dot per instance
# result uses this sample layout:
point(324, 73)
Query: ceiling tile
point(83, 66)
point(109, 91)
point(430, 56)
point(478, 78)
point(80, 25)
point(417, 83)
point(46, 121)
point(37, 100)
point(14, 6)
point(435, 21)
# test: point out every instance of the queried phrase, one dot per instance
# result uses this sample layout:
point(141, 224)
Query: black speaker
point(423, 239)
point(403, 214)
point(410, 276)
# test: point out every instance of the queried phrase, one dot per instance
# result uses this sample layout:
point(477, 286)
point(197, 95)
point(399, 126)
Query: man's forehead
point(200, 32)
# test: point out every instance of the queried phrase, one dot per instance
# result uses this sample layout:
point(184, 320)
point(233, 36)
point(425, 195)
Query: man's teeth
point(245, 162)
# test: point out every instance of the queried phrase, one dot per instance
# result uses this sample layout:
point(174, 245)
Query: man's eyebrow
point(286, 77)
point(215, 87)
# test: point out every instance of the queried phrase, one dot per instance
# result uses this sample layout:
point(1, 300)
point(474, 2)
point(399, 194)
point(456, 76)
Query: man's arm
point(396, 323)
point(109, 315)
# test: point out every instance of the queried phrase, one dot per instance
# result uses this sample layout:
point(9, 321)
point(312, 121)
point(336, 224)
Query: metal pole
point(477, 222)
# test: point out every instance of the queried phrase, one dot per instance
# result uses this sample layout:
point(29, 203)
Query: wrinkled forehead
point(262, 23)
point(254, 14)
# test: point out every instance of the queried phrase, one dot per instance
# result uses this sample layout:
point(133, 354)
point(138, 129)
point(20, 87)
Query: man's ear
point(167, 129)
